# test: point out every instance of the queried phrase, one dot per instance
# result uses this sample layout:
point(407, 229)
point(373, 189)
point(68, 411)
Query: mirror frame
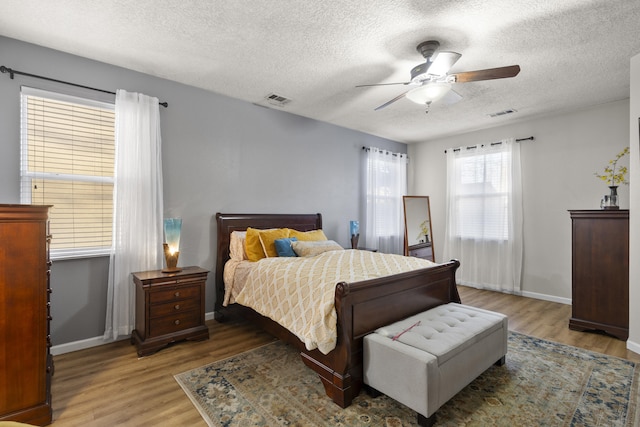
point(421, 250)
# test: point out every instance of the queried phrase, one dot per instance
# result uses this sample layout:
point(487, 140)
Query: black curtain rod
point(11, 72)
point(386, 151)
point(494, 143)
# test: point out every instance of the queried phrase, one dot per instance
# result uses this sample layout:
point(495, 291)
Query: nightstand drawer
point(174, 307)
point(174, 293)
point(169, 324)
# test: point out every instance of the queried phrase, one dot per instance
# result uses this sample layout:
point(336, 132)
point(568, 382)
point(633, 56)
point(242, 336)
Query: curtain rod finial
point(4, 69)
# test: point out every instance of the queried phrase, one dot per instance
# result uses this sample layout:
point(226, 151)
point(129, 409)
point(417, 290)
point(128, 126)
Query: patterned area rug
point(542, 384)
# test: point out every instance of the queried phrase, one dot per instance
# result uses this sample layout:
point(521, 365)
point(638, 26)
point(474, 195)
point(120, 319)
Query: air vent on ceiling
point(277, 100)
point(503, 112)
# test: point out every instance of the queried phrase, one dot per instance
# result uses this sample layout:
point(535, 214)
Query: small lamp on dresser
point(354, 231)
point(172, 228)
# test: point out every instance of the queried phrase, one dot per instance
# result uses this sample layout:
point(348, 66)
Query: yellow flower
point(610, 175)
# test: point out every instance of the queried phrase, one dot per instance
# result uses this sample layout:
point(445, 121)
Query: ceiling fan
point(433, 81)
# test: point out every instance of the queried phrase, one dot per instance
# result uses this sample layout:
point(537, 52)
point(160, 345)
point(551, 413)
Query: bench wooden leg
point(501, 361)
point(426, 422)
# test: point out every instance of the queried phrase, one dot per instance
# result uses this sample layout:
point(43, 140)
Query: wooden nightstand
point(169, 308)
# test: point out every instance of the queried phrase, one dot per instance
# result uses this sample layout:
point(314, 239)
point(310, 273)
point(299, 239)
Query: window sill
point(70, 255)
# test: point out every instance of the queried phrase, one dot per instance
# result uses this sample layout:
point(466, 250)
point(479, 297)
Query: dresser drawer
point(173, 323)
point(174, 307)
point(174, 293)
point(421, 252)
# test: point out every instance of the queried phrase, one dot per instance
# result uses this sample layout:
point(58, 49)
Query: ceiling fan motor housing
point(419, 73)
point(428, 48)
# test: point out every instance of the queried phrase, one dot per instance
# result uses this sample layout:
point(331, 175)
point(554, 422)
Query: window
point(67, 161)
point(386, 183)
point(484, 215)
point(482, 196)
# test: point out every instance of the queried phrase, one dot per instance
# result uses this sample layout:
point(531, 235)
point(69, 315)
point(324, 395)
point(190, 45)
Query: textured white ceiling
point(573, 53)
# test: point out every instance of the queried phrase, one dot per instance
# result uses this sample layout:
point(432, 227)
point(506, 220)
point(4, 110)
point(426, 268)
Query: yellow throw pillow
point(253, 246)
point(308, 236)
point(267, 238)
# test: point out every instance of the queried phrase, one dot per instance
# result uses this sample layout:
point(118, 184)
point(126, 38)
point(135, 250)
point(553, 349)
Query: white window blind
point(482, 196)
point(67, 161)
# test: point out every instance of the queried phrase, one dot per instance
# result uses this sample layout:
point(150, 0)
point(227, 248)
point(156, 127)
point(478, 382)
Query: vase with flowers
point(423, 237)
point(613, 175)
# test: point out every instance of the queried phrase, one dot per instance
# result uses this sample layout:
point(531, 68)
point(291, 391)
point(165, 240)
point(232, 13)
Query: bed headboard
point(227, 223)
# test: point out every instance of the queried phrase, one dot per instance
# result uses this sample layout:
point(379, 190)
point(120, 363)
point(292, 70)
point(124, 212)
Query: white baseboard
point(534, 295)
point(94, 342)
point(81, 345)
point(545, 297)
point(633, 346)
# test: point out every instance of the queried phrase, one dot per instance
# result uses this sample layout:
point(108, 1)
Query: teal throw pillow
point(283, 246)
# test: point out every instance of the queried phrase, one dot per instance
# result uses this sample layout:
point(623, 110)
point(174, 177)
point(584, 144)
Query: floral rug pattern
point(542, 384)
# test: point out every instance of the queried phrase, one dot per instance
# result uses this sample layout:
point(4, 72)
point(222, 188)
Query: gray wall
point(219, 155)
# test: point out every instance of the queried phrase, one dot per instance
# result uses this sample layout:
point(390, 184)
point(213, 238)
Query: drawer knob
point(177, 306)
point(177, 322)
point(177, 294)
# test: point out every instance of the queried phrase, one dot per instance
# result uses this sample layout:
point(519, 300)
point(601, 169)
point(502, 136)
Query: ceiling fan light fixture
point(428, 93)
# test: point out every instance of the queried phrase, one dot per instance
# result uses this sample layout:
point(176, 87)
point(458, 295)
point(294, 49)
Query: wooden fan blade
point(391, 101)
point(384, 84)
point(488, 74)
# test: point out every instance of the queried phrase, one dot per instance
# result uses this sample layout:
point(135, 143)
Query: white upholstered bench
point(426, 359)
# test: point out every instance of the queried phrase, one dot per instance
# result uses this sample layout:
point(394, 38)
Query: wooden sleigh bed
point(361, 307)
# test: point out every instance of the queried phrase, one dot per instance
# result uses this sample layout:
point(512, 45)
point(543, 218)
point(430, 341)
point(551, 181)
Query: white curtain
point(386, 183)
point(137, 219)
point(484, 215)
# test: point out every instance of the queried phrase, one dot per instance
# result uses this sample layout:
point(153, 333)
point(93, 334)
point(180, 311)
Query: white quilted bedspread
point(299, 293)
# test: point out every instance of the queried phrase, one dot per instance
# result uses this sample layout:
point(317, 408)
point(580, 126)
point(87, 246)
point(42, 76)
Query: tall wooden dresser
point(26, 364)
point(600, 271)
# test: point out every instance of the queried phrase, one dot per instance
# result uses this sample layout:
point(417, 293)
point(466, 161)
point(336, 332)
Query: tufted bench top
point(446, 330)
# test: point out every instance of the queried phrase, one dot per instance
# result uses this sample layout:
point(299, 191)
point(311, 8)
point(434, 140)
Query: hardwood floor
point(544, 319)
point(110, 386)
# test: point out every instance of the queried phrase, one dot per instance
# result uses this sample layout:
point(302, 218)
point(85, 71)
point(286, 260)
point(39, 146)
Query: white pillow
point(313, 248)
point(236, 245)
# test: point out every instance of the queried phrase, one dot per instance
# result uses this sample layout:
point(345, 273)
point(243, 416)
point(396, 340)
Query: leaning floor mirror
point(418, 238)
